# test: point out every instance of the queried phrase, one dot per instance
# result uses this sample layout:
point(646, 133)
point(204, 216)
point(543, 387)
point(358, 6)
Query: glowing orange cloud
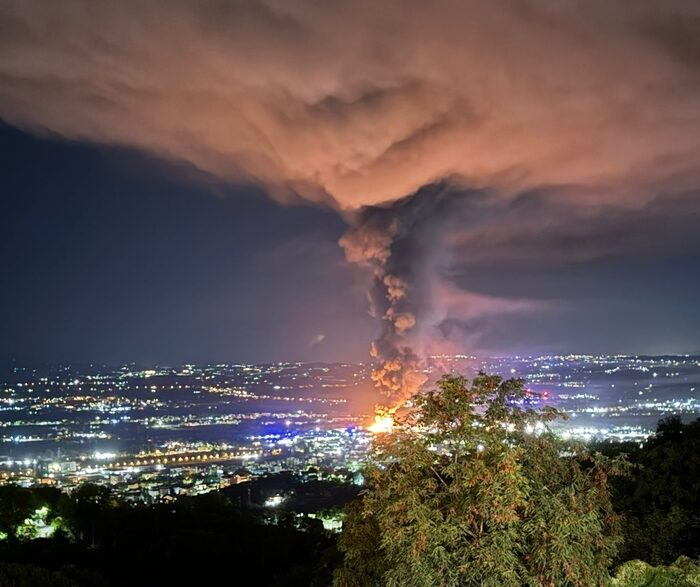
point(358, 102)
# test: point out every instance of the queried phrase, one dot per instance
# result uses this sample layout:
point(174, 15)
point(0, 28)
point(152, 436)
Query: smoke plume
point(387, 240)
point(403, 244)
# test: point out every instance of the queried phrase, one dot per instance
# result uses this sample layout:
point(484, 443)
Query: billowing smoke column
point(401, 244)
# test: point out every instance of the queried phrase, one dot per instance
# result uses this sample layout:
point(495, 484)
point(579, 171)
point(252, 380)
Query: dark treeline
point(99, 540)
point(660, 498)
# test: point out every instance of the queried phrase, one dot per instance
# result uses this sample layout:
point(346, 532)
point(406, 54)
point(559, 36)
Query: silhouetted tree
point(659, 499)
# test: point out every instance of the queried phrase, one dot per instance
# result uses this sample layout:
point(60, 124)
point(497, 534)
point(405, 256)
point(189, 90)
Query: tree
point(24, 511)
point(16, 505)
point(472, 489)
point(659, 499)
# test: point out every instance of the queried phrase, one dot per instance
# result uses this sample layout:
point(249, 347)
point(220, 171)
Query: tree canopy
point(472, 488)
point(659, 499)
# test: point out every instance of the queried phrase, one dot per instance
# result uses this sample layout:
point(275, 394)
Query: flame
point(383, 423)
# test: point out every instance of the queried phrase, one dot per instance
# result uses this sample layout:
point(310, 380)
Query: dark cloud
point(679, 34)
point(539, 228)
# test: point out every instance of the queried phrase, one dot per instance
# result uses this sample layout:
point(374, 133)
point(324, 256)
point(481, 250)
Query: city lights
point(205, 440)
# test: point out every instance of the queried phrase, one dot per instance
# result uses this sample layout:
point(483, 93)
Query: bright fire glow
point(382, 424)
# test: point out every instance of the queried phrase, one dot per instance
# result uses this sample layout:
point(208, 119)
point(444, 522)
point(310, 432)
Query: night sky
point(175, 179)
point(110, 256)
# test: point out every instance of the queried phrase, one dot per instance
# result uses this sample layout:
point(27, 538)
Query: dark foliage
point(660, 500)
point(194, 540)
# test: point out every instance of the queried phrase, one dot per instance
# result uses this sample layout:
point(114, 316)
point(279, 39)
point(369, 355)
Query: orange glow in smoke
point(383, 423)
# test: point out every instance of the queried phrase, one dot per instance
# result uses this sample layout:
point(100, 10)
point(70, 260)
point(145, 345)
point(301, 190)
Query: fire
point(383, 423)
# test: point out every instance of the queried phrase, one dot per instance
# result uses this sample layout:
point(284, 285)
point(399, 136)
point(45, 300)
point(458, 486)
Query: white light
point(103, 456)
point(274, 501)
